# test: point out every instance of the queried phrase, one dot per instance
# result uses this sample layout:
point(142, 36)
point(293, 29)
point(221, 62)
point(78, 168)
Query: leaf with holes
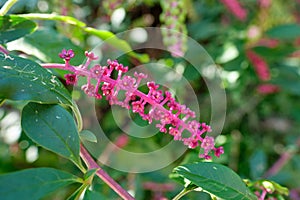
point(52, 127)
point(22, 79)
point(13, 27)
point(216, 179)
point(33, 184)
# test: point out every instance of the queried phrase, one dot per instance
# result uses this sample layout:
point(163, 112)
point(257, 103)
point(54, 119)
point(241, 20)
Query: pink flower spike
point(123, 90)
point(71, 79)
point(236, 9)
point(260, 65)
point(267, 89)
point(66, 54)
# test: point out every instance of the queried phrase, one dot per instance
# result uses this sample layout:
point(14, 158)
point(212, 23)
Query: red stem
point(91, 164)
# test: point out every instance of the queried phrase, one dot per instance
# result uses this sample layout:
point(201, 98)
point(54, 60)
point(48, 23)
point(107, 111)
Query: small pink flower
point(194, 126)
point(191, 142)
point(127, 83)
point(66, 54)
point(90, 55)
point(137, 107)
point(207, 145)
point(175, 132)
point(71, 79)
point(89, 89)
point(219, 151)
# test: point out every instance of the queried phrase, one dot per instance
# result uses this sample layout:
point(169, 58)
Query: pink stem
point(263, 195)
point(284, 158)
point(91, 164)
point(3, 50)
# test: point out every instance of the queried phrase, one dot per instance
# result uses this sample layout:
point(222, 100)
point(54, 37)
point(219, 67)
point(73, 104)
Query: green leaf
point(258, 164)
point(22, 79)
point(88, 136)
point(285, 32)
point(35, 45)
point(90, 174)
point(32, 184)
point(13, 27)
point(216, 179)
point(52, 127)
point(92, 195)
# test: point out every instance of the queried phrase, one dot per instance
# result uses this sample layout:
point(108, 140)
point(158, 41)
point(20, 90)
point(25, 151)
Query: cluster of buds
point(173, 26)
point(172, 117)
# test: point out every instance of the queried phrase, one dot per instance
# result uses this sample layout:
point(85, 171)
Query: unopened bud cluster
point(172, 117)
point(173, 26)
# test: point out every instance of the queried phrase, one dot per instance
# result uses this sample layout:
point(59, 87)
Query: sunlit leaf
point(52, 127)
point(216, 179)
point(13, 27)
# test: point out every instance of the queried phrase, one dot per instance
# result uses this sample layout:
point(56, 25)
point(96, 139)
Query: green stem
point(2, 102)
point(5, 8)
point(182, 193)
point(81, 190)
point(78, 117)
point(107, 36)
point(66, 19)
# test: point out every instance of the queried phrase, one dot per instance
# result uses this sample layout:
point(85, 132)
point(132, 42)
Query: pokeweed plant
point(48, 121)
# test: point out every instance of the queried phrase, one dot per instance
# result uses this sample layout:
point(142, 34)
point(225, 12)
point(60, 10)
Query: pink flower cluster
point(173, 117)
point(236, 9)
point(263, 72)
point(260, 65)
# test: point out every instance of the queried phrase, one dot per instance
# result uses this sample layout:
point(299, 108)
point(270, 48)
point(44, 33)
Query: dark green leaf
point(92, 195)
point(88, 136)
point(285, 32)
point(216, 179)
point(52, 127)
point(13, 27)
point(46, 44)
point(22, 79)
point(258, 164)
point(32, 184)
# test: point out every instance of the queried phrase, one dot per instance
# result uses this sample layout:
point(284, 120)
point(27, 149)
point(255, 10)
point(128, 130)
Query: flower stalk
point(172, 117)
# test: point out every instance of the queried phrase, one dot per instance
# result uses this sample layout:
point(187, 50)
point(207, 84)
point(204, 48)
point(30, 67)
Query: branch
point(91, 164)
